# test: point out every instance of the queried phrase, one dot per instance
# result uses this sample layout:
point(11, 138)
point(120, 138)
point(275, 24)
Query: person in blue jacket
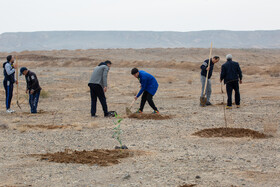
point(149, 86)
point(232, 75)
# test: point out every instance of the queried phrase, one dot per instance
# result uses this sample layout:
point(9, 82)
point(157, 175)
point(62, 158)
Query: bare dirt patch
point(149, 116)
point(101, 157)
point(229, 132)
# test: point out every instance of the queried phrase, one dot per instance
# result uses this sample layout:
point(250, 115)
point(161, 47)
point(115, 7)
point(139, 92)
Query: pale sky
point(140, 15)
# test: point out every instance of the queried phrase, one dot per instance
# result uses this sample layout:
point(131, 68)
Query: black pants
point(9, 92)
point(147, 96)
point(233, 85)
point(97, 91)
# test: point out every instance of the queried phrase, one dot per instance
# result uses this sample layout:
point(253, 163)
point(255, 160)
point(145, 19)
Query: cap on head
point(9, 58)
point(229, 57)
point(22, 70)
point(134, 71)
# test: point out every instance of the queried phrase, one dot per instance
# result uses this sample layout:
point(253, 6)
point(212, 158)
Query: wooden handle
point(132, 104)
point(209, 64)
point(17, 76)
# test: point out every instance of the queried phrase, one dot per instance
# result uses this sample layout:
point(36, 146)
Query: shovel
point(128, 109)
point(203, 99)
point(17, 83)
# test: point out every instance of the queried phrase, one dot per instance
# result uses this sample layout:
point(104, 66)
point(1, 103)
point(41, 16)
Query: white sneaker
point(10, 111)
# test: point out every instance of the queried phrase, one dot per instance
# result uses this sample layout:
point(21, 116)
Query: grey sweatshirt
point(99, 75)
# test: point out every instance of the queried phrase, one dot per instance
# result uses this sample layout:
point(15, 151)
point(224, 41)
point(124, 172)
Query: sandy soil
point(173, 156)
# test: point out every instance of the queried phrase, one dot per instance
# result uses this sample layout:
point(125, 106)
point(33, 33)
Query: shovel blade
point(203, 101)
point(128, 111)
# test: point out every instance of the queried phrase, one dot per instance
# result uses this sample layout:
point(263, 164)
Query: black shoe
point(208, 103)
point(95, 116)
point(110, 114)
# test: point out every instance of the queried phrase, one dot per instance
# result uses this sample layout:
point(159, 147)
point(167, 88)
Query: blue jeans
point(208, 87)
point(9, 92)
point(33, 101)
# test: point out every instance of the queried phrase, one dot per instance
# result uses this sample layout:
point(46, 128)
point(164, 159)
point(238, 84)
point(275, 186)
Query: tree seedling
point(118, 131)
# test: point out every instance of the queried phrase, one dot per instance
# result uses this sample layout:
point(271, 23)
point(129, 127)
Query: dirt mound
point(188, 185)
point(229, 132)
point(49, 127)
point(149, 116)
point(101, 157)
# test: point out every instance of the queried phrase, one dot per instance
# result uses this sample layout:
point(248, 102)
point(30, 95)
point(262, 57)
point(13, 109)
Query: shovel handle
point(132, 104)
point(209, 64)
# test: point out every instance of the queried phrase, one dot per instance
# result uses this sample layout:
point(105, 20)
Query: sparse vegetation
point(117, 129)
point(44, 94)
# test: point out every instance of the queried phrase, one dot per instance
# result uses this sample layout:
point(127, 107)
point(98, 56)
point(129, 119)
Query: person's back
point(231, 71)
point(99, 75)
point(148, 81)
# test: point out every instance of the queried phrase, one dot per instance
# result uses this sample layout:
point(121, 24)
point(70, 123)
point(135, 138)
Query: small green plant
point(117, 130)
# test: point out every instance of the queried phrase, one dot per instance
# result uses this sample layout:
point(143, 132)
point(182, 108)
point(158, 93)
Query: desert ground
point(163, 152)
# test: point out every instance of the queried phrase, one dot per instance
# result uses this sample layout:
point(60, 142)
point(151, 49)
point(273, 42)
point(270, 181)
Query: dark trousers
point(233, 85)
point(33, 101)
point(147, 97)
point(9, 87)
point(96, 91)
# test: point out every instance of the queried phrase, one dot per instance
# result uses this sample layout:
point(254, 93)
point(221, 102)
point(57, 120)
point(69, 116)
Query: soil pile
point(149, 116)
point(229, 132)
point(101, 157)
point(188, 185)
point(48, 127)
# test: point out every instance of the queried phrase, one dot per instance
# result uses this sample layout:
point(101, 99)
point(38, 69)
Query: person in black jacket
point(204, 68)
point(32, 87)
point(232, 75)
point(9, 80)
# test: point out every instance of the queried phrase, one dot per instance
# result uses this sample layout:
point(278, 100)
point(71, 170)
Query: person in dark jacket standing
point(231, 74)
point(149, 86)
point(204, 68)
point(32, 88)
point(9, 80)
point(98, 87)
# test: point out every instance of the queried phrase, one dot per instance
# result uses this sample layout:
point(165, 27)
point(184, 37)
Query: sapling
point(118, 131)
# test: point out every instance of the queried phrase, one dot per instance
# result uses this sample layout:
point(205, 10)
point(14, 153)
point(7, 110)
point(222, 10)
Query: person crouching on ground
point(231, 74)
point(149, 86)
point(204, 68)
point(9, 80)
point(98, 87)
point(32, 88)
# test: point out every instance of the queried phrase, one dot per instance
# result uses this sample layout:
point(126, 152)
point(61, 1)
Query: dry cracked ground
point(169, 155)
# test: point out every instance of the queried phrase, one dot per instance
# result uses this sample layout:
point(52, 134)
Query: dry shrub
point(44, 94)
point(274, 71)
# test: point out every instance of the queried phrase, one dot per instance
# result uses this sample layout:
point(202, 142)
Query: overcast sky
point(139, 15)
